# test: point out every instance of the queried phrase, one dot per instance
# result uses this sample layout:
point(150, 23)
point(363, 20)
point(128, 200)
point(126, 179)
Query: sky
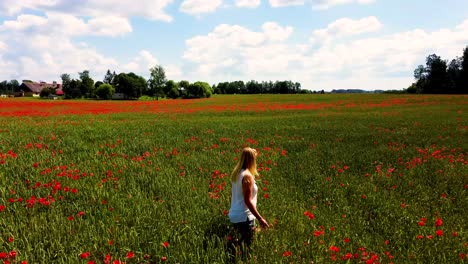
point(323, 44)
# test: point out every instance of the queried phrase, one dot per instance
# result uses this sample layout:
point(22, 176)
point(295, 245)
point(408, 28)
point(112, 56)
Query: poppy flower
point(130, 255)
point(287, 254)
point(334, 248)
point(85, 255)
point(438, 222)
point(165, 244)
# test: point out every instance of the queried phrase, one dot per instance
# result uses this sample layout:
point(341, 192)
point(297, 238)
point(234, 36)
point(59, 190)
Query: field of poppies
point(343, 178)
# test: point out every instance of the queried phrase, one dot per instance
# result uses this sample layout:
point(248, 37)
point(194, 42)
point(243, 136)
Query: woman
point(243, 210)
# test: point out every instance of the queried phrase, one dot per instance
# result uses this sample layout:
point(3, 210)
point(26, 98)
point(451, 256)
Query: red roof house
point(34, 88)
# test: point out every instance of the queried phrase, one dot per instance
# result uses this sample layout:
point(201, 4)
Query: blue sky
point(323, 44)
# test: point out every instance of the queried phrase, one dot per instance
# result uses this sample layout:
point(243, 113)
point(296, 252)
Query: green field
point(343, 178)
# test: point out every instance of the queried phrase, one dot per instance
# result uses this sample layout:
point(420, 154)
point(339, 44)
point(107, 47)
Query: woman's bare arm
point(247, 185)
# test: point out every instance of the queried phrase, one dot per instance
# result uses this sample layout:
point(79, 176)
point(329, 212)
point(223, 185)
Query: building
point(28, 88)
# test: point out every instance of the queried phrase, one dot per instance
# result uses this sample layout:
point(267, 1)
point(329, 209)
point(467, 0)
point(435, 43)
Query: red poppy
point(438, 222)
point(287, 254)
point(334, 248)
point(130, 255)
point(163, 258)
point(85, 255)
point(165, 244)
point(439, 232)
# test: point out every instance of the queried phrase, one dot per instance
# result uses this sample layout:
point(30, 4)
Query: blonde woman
point(243, 211)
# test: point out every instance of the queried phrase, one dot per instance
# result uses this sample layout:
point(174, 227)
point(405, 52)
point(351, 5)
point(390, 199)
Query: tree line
point(132, 86)
point(439, 76)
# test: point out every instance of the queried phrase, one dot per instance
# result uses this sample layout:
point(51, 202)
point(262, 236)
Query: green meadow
point(343, 178)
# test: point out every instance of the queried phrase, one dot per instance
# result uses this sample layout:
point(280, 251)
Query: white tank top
point(239, 211)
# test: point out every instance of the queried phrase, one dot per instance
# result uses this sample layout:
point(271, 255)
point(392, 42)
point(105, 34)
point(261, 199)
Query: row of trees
point(441, 77)
point(254, 87)
point(131, 86)
point(9, 87)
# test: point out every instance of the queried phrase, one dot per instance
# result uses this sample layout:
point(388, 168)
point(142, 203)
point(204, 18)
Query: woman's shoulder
point(247, 176)
point(245, 172)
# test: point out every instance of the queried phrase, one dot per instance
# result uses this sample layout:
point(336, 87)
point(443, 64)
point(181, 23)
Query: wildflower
point(165, 244)
point(334, 248)
point(439, 232)
point(319, 233)
point(287, 254)
point(85, 255)
point(130, 255)
point(163, 258)
point(346, 240)
point(438, 222)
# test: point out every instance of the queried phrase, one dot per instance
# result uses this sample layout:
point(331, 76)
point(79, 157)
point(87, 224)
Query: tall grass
point(347, 180)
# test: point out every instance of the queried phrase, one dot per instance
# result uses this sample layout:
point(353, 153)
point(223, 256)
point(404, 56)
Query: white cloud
point(150, 9)
point(173, 72)
point(346, 27)
point(248, 3)
point(197, 7)
point(326, 4)
point(282, 3)
point(66, 25)
point(232, 52)
point(317, 4)
point(275, 32)
point(141, 64)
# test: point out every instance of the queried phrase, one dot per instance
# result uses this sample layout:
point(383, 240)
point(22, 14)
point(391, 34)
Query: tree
point(170, 85)
point(97, 84)
point(46, 92)
point(463, 85)
point(87, 84)
point(173, 93)
point(454, 75)
point(130, 84)
point(157, 81)
point(433, 78)
point(14, 85)
point(183, 87)
point(66, 85)
point(109, 77)
point(436, 74)
point(75, 89)
point(105, 91)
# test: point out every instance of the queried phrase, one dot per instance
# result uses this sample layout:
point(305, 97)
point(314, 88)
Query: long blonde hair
point(248, 161)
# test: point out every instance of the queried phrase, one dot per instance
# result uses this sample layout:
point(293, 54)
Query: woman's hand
point(263, 223)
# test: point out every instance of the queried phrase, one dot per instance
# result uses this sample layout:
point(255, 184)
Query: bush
point(173, 93)
point(46, 91)
point(105, 91)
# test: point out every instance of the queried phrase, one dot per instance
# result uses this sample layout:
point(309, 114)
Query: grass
point(344, 178)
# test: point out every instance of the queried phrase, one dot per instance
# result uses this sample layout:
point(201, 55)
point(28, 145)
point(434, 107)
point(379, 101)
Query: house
point(28, 88)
